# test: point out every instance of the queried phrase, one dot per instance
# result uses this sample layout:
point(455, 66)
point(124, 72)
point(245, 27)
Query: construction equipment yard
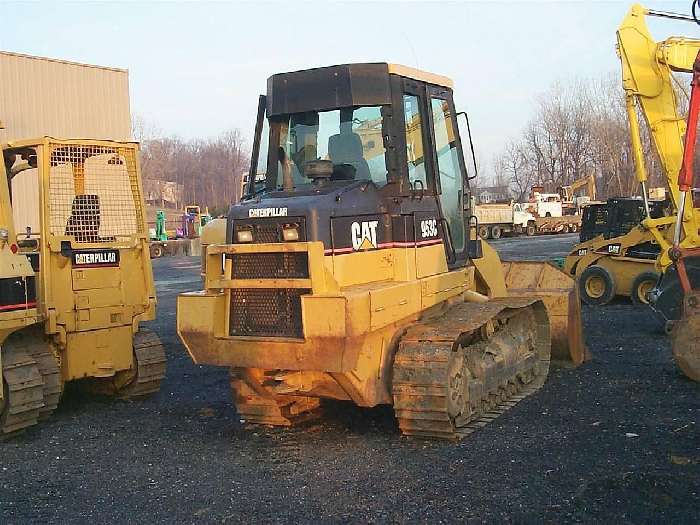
point(370, 313)
point(614, 440)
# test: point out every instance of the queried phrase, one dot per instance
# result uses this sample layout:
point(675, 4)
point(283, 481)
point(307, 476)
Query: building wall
point(41, 96)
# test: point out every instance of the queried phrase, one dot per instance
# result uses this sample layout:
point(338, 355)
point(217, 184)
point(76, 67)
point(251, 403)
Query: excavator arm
point(647, 68)
point(686, 333)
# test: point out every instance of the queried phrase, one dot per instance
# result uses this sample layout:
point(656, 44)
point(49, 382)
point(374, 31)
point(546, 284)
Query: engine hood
point(316, 204)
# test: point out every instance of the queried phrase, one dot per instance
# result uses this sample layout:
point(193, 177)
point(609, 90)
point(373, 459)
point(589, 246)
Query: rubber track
point(150, 365)
point(23, 391)
point(430, 350)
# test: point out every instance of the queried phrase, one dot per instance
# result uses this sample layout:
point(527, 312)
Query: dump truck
point(497, 219)
point(354, 271)
point(493, 220)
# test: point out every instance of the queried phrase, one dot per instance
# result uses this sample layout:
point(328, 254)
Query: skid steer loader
point(616, 255)
point(77, 209)
point(353, 270)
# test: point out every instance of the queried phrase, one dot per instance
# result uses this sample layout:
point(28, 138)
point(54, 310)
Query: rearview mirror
point(471, 143)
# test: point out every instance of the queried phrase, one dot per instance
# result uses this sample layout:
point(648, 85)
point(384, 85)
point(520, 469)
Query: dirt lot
point(616, 440)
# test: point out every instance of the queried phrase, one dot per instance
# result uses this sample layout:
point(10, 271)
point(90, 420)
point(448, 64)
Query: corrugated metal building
point(43, 96)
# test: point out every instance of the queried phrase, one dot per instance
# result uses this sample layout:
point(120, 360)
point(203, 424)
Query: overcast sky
point(196, 68)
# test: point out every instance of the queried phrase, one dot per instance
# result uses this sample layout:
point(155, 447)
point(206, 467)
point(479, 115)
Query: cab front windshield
point(351, 138)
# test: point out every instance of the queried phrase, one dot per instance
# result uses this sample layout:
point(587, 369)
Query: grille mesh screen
point(266, 312)
point(94, 193)
point(270, 265)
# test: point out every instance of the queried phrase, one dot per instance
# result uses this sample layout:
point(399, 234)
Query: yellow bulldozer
point(353, 271)
point(22, 392)
point(78, 218)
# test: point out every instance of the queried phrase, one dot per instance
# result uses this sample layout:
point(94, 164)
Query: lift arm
point(647, 68)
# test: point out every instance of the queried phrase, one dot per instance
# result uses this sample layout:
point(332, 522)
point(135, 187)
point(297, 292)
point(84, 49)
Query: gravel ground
point(616, 440)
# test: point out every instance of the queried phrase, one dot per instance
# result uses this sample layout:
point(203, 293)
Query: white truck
point(548, 211)
point(507, 218)
point(546, 205)
point(495, 220)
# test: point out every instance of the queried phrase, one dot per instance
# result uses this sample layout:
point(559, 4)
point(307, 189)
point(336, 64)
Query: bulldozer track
point(256, 404)
point(150, 365)
point(455, 374)
point(23, 396)
point(51, 376)
point(34, 343)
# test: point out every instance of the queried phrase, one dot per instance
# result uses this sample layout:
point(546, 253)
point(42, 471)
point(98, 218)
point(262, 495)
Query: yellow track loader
point(77, 208)
point(352, 269)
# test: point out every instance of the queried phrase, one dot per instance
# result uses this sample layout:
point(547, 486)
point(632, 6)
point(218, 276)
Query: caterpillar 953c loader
point(352, 270)
point(78, 208)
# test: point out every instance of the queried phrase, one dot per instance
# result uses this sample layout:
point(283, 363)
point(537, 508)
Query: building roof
point(61, 61)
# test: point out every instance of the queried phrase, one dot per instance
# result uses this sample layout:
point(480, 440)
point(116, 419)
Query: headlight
point(290, 233)
point(4, 234)
point(244, 236)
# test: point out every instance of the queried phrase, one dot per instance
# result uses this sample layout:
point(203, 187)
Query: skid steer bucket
point(560, 295)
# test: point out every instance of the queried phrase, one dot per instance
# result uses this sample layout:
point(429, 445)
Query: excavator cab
point(352, 269)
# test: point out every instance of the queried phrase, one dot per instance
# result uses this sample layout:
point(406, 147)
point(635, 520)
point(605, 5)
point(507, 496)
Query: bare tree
point(206, 169)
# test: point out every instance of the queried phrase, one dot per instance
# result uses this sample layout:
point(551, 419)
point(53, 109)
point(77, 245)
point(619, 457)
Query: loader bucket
point(685, 344)
point(560, 295)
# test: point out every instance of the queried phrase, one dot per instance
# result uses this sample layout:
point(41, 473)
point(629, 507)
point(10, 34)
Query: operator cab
point(617, 217)
point(373, 144)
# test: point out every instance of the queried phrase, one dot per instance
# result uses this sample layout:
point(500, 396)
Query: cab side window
point(414, 141)
point(449, 171)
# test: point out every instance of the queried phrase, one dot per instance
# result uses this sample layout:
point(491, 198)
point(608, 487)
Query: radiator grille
point(267, 232)
point(266, 312)
point(94, 193)
point(270, 265)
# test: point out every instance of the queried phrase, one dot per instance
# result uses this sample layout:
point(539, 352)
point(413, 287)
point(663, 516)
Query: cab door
point(428, 232)
point(450, 170)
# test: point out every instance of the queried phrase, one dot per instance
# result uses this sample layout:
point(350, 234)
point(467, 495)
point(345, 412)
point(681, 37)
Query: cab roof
point(345, 85)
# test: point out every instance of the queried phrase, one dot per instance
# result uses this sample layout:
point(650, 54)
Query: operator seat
point(84, 221)
point(346, 148)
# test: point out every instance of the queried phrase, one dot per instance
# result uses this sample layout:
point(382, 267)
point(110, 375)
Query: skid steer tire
point(642, 285)
point(597, 286)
